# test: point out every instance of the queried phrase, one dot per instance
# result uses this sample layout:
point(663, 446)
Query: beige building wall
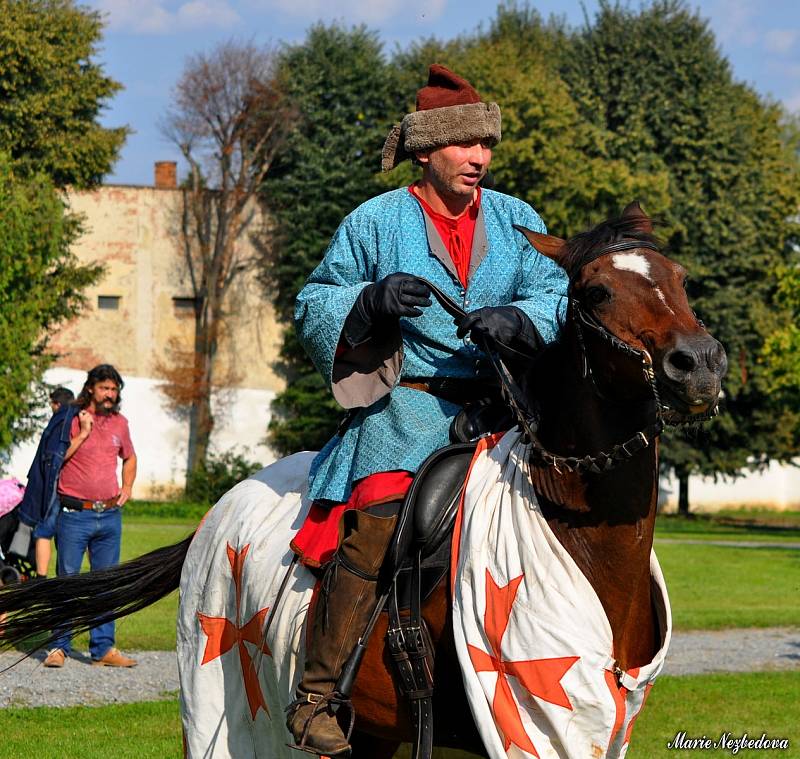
point(133, 232)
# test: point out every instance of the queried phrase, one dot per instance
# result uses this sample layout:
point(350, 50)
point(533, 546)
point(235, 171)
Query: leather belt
point(76, 504)
point(453, 390)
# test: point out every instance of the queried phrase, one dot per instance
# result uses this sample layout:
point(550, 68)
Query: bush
point(219, 474)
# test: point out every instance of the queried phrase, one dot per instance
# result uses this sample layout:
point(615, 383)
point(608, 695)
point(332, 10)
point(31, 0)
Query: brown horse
point(631, 356)
point(593, 394)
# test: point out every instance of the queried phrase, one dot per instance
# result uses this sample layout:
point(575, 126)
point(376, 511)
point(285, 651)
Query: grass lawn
point(152, 628)
point(710, 705)
point(703, 705)
point(761, 516)
point(713, 587)
point(150, 730)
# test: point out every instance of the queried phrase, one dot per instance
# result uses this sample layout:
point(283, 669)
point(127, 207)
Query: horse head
point(628, 309)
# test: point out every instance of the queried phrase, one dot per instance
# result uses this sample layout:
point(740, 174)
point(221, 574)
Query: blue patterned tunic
point(398, 427)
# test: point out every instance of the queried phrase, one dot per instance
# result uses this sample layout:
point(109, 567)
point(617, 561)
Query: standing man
point(91, 500)
point(398, 361)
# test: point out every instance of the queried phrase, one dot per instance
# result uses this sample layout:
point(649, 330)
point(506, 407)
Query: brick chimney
point(166, 175)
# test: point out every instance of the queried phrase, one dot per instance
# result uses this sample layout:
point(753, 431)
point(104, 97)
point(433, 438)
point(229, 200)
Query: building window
point(108, 302)
point(183, 306)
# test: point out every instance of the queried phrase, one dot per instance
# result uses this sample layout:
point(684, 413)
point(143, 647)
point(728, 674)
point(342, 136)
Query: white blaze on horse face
point(638, 264)
point(663, 299)
point(634, 262)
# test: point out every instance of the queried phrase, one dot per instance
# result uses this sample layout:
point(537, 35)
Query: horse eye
point(596, 295)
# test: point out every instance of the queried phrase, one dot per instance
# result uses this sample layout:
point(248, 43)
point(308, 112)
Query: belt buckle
point(98, 506)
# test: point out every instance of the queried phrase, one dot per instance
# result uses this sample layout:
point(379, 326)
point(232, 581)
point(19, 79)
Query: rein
point(601, 461)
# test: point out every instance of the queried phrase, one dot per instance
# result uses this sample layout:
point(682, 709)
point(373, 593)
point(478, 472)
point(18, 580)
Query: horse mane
point(581, 248)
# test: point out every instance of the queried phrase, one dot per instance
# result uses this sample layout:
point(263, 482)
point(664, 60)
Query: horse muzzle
point(691, 372)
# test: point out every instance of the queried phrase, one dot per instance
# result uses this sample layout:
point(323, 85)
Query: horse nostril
point(717, 358)
point(682, 361)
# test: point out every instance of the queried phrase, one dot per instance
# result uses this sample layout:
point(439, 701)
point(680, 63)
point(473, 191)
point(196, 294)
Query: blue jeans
point(100, 533)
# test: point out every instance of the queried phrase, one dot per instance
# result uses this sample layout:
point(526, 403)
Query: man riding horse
point(398, 363)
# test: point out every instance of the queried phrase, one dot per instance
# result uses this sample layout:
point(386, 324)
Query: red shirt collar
point(470, 212)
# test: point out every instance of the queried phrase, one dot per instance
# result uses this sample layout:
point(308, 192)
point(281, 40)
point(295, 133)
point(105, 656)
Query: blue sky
point(147, 41)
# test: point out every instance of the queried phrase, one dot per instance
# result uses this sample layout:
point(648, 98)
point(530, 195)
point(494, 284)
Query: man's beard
point(105, 409)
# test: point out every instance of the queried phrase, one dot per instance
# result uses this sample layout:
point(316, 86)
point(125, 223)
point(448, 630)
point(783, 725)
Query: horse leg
point(369, 747)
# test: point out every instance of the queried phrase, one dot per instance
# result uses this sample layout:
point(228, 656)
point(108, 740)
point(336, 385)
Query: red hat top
point(444, 89)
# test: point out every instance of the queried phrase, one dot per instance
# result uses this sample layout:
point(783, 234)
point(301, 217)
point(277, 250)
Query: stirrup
point(334, 698)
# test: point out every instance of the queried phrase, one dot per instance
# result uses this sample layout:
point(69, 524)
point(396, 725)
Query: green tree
point(656, 80)
point(40, 286)
point(341, 85)
point(551, 155)
point(781, 354)
point(52, 92)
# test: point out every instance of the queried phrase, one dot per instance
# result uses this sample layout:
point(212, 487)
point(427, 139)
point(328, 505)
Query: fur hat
point(449, 111)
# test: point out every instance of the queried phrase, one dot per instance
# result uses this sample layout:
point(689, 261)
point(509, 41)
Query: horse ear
point(636, 213)
point(547, 245)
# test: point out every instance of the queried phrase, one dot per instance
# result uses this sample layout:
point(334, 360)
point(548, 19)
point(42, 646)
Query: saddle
point(426, 517)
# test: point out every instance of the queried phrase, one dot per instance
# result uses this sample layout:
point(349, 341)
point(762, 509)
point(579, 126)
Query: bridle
point(583, 320)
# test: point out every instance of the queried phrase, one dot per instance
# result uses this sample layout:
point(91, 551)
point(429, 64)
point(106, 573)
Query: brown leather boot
point(348, 598)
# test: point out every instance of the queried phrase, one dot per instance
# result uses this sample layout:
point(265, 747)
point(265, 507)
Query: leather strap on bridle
point(619, 246)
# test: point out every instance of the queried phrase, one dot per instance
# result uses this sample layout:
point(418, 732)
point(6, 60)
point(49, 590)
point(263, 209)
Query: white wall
point(160, 439)
point(777, 487)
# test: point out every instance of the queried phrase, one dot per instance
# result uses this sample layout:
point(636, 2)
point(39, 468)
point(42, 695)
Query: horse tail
point(82, 601)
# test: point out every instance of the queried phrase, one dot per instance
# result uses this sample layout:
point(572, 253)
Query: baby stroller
point(17, 549)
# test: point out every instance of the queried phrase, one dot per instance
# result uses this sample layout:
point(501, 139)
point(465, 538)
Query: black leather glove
point(506, 326)
point(393, 296)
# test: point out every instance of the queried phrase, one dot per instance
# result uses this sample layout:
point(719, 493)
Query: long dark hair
point(100, 373)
